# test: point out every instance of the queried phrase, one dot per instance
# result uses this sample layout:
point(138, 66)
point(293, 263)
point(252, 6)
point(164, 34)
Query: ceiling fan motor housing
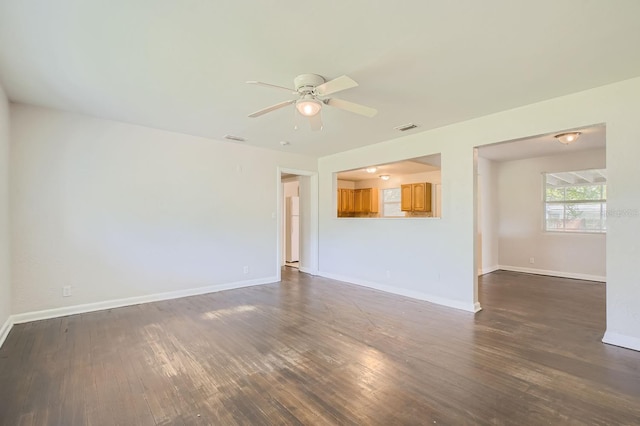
point(306, 83)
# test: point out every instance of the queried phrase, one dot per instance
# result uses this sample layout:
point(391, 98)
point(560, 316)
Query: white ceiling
point(415, 165)
point(544, 145)
point(182, 65)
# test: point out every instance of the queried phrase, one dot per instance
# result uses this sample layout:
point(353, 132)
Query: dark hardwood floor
point(311, 350)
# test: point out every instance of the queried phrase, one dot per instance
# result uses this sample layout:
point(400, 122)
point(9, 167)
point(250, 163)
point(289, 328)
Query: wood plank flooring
point(314, 351)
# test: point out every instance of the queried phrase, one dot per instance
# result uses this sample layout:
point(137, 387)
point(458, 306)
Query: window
point(391, 198)
point(576, 201)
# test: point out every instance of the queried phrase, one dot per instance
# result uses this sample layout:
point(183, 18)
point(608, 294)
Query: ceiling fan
point(313, 91)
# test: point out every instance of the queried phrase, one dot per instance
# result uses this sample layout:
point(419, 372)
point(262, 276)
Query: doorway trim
point(308, 243)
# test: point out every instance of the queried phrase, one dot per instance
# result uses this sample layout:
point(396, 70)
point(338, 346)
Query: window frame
point(602, 230)
point(383, 203)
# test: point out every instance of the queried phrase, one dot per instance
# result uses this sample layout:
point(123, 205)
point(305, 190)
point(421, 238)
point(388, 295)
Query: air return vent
point(235, 138)
point(406, 127)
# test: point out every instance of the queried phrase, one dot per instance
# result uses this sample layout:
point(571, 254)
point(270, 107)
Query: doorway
point(535, 207)
point(297, 218)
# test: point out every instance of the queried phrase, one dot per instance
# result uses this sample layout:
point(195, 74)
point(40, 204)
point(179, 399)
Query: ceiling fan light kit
point(313, 92)
point(308, 106)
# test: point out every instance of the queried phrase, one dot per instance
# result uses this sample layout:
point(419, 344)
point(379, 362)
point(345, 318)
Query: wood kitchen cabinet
point(353, 202)
point(370, 200)
point(365, 200)
point(345, 201)
point(416, 197)
point(406, 194)
point(357, 200)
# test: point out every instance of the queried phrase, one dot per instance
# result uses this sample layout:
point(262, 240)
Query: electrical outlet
point(66, 291)
point(245, 269)
point(532, 260)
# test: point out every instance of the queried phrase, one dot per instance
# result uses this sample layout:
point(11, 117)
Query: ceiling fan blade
point(335, 85)
point(259, 83)
point(271, 108)
point(315, 122)
point(352, 107)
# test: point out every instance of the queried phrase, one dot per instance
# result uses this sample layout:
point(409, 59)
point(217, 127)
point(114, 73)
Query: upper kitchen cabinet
point(366, 200)
point(416, 197)
point(357, 202)
point(346, 204)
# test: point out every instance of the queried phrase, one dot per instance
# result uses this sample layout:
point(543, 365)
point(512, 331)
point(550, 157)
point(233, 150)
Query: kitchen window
point(575, 201)
point(391, 203)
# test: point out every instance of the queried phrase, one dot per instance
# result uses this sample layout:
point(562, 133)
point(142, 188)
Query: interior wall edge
point(488, 269)
point(6, 307)
point(5, 329)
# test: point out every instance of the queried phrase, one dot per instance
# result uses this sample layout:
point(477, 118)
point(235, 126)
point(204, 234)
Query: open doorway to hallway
point(297, 218)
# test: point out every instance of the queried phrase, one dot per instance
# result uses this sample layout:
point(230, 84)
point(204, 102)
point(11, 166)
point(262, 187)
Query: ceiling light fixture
point(308, 105)
point(405, 127)
point(371, 169)
point(235, 138)
point(567, 138)
point(384, 177)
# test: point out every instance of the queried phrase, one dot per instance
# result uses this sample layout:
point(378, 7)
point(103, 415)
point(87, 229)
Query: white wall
point(119, 211)
point(488, 217)
point(309, 224)
point(5, 276)
point(403, 256)
point(521, 234)
point(348, 184)
point(435, 259)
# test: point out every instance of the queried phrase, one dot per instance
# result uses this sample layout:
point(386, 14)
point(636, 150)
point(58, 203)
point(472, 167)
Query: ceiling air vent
point(235, 138)
point(406, 127)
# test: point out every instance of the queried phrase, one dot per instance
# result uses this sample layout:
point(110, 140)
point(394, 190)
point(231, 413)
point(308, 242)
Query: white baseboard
point(488, 269)
point(118, 303)
point(621, 340)
point(469, 307)
point(574, 275)
point(5, 329)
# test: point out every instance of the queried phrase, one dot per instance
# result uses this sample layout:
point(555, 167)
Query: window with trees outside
point(576, 201)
